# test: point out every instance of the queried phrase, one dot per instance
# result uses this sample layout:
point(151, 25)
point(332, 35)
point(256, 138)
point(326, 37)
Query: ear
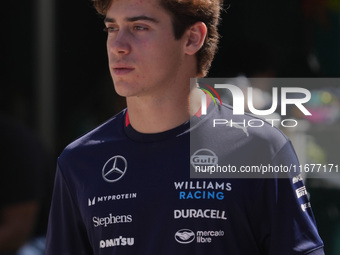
point(195, 37)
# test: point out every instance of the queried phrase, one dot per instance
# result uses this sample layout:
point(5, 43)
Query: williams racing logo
point(195, 190)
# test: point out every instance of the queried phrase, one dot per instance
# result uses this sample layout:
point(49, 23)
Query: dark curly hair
point(185, 13)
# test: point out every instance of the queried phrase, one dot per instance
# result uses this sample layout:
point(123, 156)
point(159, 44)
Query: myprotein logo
point(114, 169)
point(110, 198)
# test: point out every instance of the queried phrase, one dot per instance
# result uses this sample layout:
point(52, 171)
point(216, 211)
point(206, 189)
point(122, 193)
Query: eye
point(140, 28)
point(110, 29)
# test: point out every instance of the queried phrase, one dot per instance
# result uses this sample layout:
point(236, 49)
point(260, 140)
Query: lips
point(122, 70)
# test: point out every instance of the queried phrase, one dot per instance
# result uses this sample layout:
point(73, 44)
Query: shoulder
point(250, 128)
point(110, 130)
point(243, 140)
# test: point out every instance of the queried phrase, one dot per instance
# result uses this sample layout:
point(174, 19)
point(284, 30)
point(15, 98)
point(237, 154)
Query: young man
point(125, 188)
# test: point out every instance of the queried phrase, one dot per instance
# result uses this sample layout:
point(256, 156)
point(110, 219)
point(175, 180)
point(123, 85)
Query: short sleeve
point(66, 232)
point(292, 227)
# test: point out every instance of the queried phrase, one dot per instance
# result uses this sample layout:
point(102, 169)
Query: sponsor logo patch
point(114, 169)
point(300, 192)
point(200, 214)
point(119, 241)
point(111, 219)
point(185, 236)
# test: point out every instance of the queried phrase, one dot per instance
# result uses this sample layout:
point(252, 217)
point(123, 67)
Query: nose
point(119, 44)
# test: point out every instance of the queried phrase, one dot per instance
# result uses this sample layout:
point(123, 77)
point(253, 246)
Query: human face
point(144, 56)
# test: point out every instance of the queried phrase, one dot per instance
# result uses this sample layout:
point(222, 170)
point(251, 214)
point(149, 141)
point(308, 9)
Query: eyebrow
point(132, 19)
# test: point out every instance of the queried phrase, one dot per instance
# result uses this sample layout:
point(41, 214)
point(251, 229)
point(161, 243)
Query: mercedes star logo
point(114, 169)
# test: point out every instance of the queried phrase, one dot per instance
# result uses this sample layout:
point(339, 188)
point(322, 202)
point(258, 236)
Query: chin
point(124, 91)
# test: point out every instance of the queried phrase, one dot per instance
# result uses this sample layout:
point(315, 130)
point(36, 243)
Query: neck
point(158, 114)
